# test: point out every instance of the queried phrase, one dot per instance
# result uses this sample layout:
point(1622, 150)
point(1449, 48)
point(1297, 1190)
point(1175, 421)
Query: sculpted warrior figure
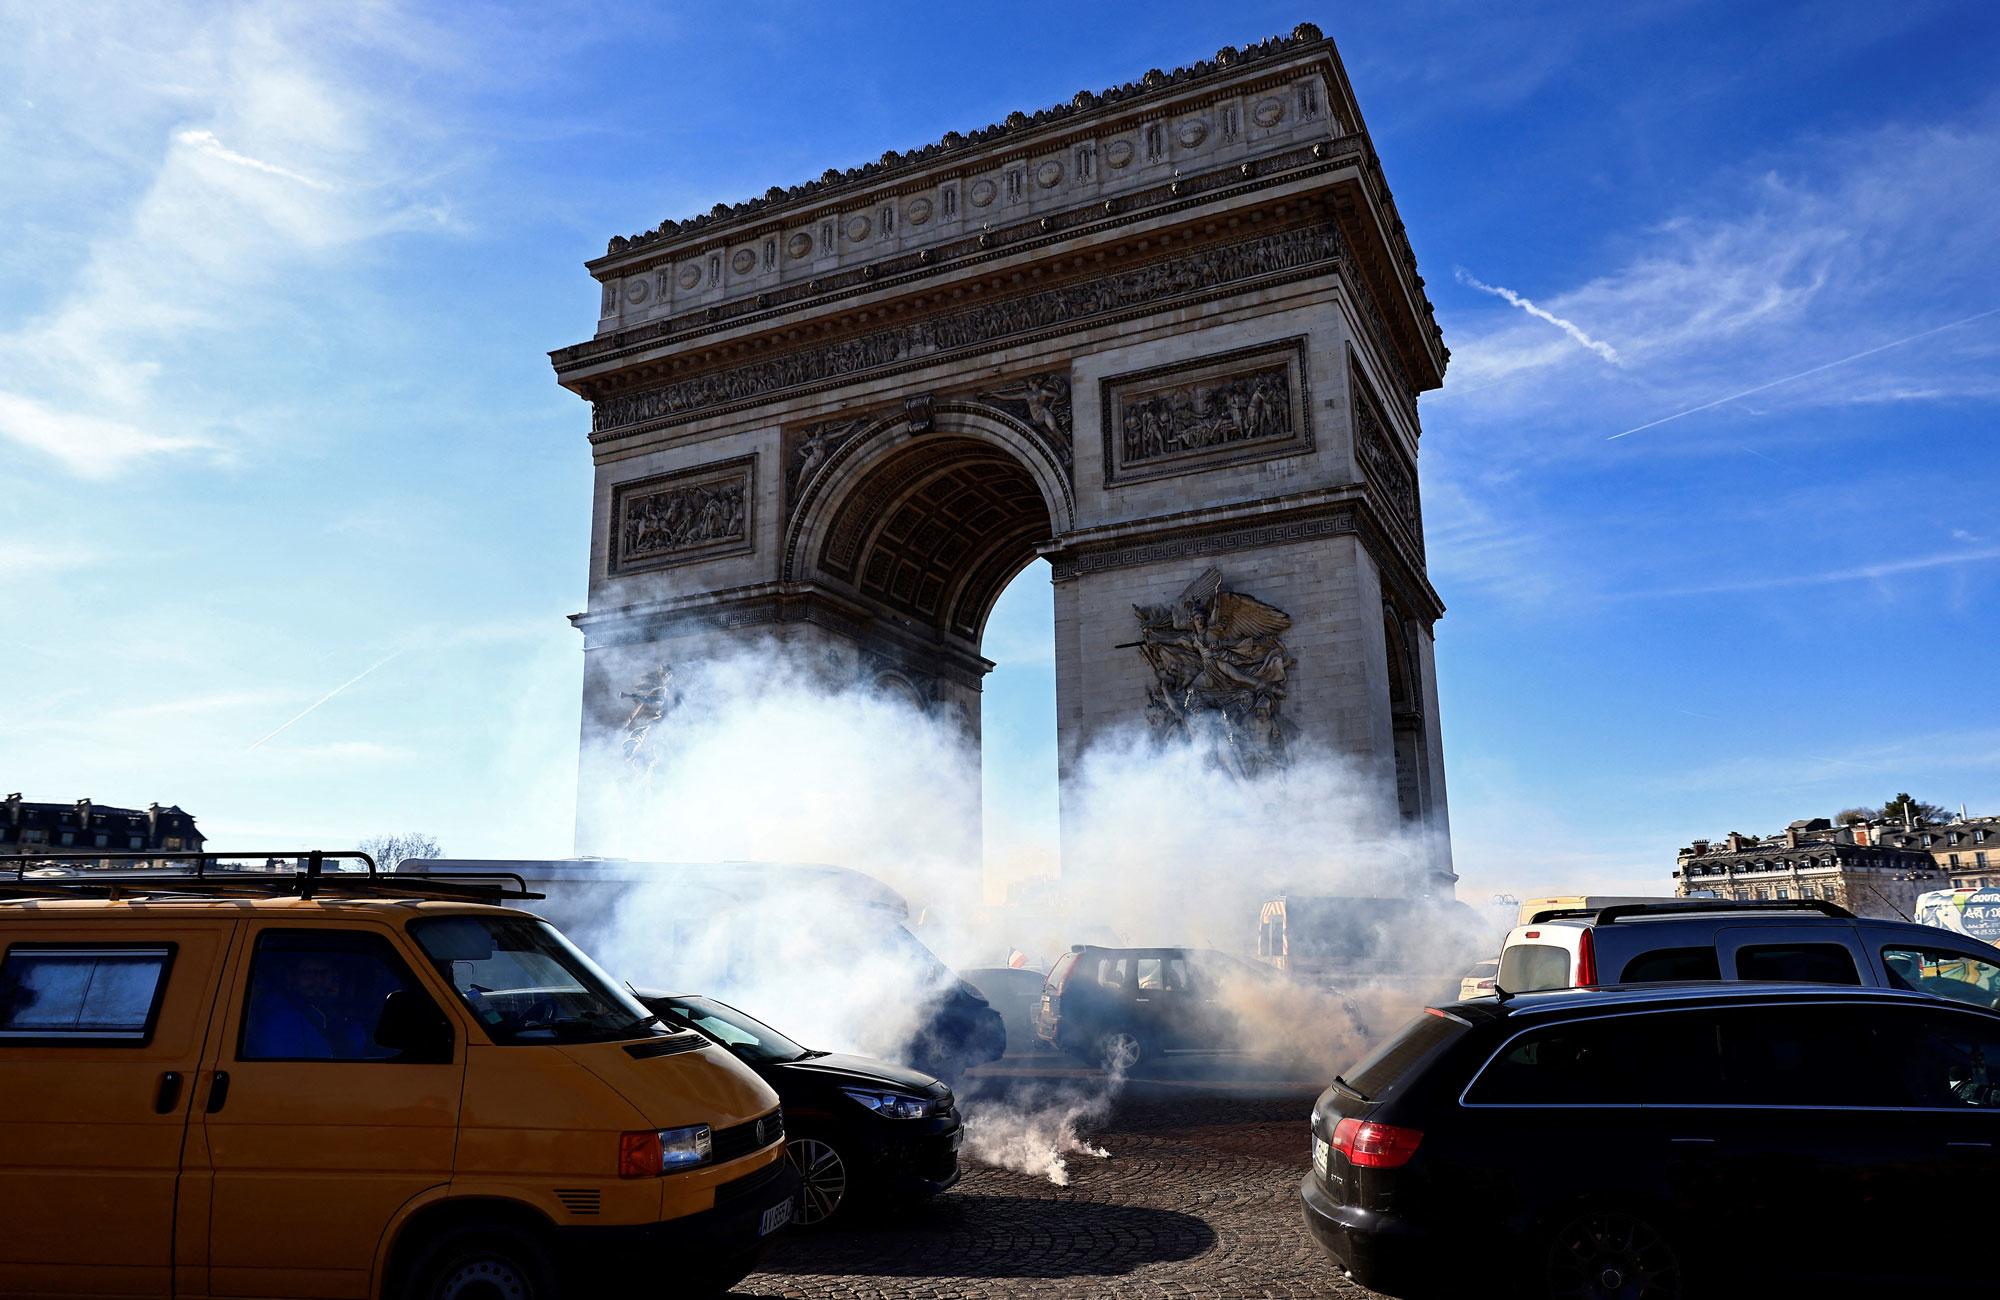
point(1219, 665)
point(652, 701)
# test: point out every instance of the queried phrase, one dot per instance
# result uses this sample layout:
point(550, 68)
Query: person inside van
point(301, 1014)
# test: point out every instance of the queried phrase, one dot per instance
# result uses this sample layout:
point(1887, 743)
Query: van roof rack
point(1640, 911)
point(203, 874)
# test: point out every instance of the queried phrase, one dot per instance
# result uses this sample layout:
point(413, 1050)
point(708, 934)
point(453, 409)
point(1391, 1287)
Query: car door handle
point(1692, 1142)
point(1142, 999)
point(169, 1094)
point(218, 1091)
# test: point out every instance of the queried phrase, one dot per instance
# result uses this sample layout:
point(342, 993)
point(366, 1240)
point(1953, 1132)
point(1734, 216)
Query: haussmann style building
point(1811, 858)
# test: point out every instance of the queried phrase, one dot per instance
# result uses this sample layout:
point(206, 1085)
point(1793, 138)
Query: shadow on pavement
point(998, 1237)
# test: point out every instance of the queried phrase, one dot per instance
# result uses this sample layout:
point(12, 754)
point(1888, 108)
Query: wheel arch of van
point(431, 1214)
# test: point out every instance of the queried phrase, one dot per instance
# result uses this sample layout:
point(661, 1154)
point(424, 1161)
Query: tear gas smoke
point(761, 757)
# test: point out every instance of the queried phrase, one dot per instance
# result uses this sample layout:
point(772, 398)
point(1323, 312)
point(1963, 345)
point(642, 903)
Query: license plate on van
point(775, 1218)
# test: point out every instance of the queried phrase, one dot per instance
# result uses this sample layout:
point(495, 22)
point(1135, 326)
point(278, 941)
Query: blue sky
point(275, 411)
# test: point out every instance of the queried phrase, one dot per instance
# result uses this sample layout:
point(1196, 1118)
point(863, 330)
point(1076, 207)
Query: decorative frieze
point(1042, 402)
point(1392, 477)
point(1207, 411)
point(682, 517)
point(1072, 306)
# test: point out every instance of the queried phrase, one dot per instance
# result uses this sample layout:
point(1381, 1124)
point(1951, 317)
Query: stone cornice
point(1039, 130)
point(1191, 275)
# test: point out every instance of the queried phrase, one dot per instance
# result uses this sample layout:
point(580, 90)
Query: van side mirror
point(414, 1029)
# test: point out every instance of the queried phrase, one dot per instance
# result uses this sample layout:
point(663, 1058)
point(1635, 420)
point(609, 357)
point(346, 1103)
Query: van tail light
point(639, 1155)
point(1586, 961)
point(1375, 1146)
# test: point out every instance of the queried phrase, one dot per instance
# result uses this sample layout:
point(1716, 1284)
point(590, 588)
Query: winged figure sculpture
point(1219, 665)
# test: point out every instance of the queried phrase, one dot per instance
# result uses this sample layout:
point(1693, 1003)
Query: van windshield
point(527, 984)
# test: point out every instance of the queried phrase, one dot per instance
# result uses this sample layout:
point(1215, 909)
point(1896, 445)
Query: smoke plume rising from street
point(758, 757)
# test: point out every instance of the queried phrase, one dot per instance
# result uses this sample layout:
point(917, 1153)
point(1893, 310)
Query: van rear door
point(101, 1030)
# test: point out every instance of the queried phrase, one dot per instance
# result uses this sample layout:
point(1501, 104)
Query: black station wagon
point(1664, 1141)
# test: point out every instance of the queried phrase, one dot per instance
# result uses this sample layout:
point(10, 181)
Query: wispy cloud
point(20, 558)
point(1568, 327)
point(233, 148)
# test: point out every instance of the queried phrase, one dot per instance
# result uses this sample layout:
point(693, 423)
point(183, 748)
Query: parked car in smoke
point(1478, 982)
point(1805, 940)
point(377, 1084)
point(1016, 993)
point(1120, 1007)
point(861, 1133)
point(770, 931)
point(1580, 1143)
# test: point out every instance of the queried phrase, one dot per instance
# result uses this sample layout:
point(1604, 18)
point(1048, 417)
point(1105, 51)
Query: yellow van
point(338, 1083)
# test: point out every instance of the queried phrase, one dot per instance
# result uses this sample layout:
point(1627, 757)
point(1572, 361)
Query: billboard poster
point(1975, 912)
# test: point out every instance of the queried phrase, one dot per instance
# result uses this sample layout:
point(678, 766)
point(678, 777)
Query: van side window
point(1955, 976)
point(319, 995)
point(1111, 972)
point(1798, 963)
point(1670, 964)
point(108, 993)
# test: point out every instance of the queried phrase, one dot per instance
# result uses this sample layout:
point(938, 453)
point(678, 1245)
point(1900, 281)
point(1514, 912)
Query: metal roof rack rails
point(205, 875)
point(1639, 911)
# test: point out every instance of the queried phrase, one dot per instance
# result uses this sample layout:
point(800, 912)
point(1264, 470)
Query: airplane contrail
point(329, 695)
point(1866, 352)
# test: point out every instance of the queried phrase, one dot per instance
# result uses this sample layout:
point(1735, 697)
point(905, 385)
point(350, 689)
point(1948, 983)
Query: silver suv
point(1804, 941)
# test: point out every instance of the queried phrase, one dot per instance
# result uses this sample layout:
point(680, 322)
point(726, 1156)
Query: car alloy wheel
point(822, 1179)
point(1610, 1255)
point(1120, 1051)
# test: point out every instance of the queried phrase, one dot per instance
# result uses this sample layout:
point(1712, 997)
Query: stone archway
point(1169, 338)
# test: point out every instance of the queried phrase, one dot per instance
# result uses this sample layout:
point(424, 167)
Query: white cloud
point(230, 159)
point(20, 558)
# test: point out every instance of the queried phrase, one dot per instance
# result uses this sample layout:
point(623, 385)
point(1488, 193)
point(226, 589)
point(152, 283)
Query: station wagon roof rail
point(1694, 906)
point(319, 873)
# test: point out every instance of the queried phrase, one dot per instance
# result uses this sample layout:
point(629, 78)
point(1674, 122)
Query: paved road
point(1198, 1197)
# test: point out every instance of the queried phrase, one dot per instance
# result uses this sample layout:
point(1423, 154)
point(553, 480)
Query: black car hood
point(865, 1071)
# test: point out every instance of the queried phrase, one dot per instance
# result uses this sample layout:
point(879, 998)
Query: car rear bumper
point(1381, 1253)
point(622, 1255)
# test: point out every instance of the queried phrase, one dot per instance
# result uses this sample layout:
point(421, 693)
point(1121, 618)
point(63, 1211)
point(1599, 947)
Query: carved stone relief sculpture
point(1219, 666)
point(653, 697)
point(1206, 411)
point(1383, 465)
point(1042, 402)
point(680, 518)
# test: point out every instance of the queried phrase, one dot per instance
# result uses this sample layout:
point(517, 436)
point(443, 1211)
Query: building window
point(1979, 859)
point(1954, 861)
point(103, 840)
point(69, 837)
point(138, 843)
point(173, 843)
point(1784, 892)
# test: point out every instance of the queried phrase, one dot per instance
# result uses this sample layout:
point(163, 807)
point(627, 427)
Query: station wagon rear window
point(102, 993)
point(1399, 1058)
point(1529, 967)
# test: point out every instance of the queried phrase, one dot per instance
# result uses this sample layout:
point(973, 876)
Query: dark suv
point(1121, 1006)
point(1663, 1141)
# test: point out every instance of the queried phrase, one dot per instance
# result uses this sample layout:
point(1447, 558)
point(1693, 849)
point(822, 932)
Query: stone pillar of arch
point(1169, 337)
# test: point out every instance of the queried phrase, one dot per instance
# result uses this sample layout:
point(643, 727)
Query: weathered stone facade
point(1163, 330)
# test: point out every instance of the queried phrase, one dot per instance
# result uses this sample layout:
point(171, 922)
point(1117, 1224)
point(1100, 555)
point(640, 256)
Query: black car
point(1662, 1141)
point(1014, 992)
point(860, 1132)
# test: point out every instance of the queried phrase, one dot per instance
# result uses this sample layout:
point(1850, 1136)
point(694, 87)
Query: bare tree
point(1850, 816)
point(388, 850)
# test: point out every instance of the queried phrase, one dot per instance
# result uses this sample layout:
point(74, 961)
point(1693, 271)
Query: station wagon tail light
point(662, 1151)
point(1586, 960)
point(1375, 1146)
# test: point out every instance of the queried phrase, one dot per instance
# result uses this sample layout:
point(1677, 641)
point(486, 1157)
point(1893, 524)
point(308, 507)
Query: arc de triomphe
point(1169, 336)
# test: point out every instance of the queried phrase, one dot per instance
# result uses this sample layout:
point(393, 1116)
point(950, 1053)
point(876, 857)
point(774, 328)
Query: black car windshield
point(527, 984)
point(750, 1039)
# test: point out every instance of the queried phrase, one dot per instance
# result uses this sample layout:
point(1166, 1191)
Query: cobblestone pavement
point(1199, 1197)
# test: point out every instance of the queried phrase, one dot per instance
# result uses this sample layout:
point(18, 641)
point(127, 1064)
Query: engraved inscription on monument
point(682, 517)
point(1243, 405)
